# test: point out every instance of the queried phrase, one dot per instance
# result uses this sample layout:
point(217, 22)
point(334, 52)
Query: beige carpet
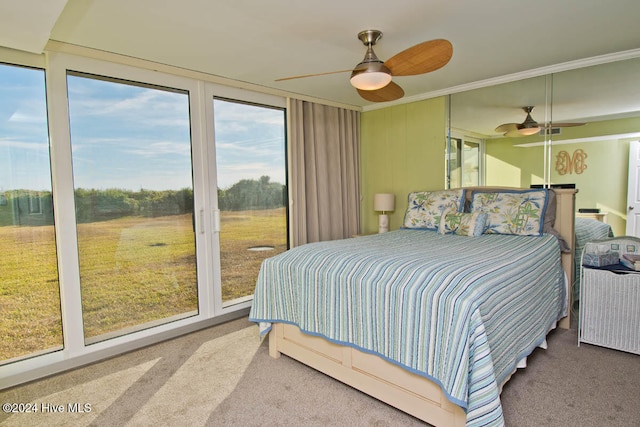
point(223, 376)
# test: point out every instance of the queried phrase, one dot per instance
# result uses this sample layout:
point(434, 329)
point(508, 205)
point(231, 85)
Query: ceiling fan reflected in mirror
point(529, 126)
point(372, 77)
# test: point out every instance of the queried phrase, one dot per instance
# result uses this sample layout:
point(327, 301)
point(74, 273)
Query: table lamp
point(384, 202)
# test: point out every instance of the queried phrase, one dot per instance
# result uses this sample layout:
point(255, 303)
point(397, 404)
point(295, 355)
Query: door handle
point(630, 208)
point(216, 220)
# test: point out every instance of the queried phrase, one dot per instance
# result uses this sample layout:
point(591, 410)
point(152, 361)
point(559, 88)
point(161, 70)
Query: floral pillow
point(425, 208)
point(463, 223)
point(512, 212)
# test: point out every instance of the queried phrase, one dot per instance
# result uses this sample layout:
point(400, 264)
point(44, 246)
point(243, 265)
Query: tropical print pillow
point(463, 223)
point(512, 212)
point(425, 208)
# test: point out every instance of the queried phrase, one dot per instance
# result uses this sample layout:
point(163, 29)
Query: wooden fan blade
point(314, 75)
point(507, 127)
point(422, 58)
point(390, 92)
point(513, 133)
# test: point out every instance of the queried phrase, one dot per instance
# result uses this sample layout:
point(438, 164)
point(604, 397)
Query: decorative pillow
point(463, 224)
point(425, 208)
point(512, 212)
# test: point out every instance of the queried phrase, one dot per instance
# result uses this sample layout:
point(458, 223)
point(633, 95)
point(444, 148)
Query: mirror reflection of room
point(588, 118)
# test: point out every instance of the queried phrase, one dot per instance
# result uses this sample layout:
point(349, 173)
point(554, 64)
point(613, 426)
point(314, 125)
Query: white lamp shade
point(384, 202)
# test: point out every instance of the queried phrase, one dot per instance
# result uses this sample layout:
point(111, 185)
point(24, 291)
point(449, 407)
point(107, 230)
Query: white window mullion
point(212, 185)
point(64, 207)
point(202, 201)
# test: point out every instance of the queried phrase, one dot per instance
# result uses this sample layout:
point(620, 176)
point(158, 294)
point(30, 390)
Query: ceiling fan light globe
point(370, 75)
point(527, 131)
point(371, 80)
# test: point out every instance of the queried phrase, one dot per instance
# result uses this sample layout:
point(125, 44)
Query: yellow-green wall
point(513, 166)
point(401, 150)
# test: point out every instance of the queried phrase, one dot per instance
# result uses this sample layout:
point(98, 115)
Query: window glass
point(471, 166)
point(133, 188)
point(463, 162)
point(29, 289)
point(251, 176)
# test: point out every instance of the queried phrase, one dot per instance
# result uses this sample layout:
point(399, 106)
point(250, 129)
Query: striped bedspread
point(461, 311)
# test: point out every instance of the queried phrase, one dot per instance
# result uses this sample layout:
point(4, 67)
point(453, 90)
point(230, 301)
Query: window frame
point(211, 311)
point(455, 135)
point(211, 91)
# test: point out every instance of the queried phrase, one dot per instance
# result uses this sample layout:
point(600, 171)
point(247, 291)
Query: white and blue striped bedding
point(461, 311)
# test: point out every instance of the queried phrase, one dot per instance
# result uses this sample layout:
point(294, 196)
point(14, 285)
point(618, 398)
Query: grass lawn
point(240, 231)
point(29, 296)
point(133, 270)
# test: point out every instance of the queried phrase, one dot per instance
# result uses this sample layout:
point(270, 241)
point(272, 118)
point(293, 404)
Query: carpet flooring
point(223, 376)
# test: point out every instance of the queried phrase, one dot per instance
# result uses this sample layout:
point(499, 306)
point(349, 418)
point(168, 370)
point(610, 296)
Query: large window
point(30, 315)
point(149, 216)
point(250, 157)
point(133, 191)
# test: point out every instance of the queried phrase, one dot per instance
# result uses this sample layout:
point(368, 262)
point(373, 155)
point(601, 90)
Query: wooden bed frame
point(411, 393)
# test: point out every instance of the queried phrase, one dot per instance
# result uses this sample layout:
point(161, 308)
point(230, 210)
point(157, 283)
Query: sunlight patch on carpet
point(54, 409)
point(208, 377)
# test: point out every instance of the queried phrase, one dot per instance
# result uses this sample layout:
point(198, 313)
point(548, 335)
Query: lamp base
point(383, 223)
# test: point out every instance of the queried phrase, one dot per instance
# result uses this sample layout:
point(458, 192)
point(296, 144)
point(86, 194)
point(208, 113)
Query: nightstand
point(610, 299)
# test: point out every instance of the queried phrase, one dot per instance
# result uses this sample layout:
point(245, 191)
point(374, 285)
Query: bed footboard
point(370, 374)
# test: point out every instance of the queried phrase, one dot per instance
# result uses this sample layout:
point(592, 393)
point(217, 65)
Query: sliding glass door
point(30, 314)
point(251, 177)
point(133, 187)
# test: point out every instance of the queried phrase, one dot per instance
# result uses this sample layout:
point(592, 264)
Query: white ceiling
point(26, 24)
point(260, 41)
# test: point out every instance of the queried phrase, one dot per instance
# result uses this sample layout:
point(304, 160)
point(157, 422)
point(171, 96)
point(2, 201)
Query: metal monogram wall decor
point(566, 164)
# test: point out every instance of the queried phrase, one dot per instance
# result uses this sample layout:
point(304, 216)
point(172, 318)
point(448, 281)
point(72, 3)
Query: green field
point(133, 270)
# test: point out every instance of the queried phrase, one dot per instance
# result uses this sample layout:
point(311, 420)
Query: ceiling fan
point(529, 126)
point(372, 77)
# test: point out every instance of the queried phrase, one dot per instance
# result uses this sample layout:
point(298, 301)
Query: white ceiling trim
point(579, 140)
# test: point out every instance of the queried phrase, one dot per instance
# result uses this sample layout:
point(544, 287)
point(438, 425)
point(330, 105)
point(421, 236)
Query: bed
point(431, 321)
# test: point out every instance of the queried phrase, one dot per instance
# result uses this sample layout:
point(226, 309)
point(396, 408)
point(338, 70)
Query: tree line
point(28, 207)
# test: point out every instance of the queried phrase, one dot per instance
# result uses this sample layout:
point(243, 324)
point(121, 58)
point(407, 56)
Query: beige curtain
point(324, 172)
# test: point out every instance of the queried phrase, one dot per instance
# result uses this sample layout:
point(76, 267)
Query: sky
point(24, 152)
point(130, 137)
